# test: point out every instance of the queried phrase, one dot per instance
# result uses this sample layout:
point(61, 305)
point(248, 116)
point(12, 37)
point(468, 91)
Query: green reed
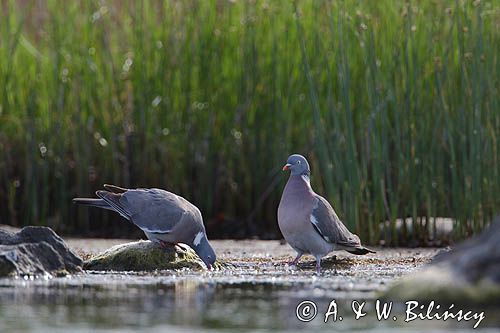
point(395, 104)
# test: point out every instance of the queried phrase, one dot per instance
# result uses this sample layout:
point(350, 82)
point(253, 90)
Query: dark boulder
point(469, 273)
point(36, 251)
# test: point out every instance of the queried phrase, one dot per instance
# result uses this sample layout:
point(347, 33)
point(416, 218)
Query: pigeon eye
point(298, 162)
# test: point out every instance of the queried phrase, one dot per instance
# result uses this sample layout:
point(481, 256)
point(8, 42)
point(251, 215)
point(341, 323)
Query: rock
point(145, 256)
point(469, 273)
point(35, 251)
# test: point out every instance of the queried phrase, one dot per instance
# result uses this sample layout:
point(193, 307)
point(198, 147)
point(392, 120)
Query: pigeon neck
point(300, 182)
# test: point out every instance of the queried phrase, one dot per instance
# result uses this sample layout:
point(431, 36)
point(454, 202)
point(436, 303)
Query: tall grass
point(395, 104)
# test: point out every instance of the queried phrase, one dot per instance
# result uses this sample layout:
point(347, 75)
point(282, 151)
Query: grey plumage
point(308, 221)
point(163, 216)
point(329, 226)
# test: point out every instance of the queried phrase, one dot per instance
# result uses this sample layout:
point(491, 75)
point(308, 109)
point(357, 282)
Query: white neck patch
point(197, 239)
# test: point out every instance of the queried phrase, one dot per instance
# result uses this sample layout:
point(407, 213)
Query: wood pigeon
point(308, 221)
point(165, 217)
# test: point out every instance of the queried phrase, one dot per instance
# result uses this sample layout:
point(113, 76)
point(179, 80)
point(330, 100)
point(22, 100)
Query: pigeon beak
point(209, 267)
point(286, 166)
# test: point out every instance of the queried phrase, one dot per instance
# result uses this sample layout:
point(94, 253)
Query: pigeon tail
point(360, 251)
point(92, 202)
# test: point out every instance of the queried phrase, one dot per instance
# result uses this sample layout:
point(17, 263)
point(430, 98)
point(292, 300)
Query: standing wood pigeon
point(165, 217)
point(308, 221)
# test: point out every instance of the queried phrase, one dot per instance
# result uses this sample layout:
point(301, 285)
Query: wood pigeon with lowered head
point(165, 217)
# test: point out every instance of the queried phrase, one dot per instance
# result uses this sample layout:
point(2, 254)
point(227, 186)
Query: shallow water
point(261, 293)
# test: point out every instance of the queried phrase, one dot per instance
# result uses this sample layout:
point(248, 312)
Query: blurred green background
point(395, 103)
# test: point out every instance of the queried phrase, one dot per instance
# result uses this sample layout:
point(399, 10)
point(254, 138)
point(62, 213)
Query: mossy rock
point(146, 256)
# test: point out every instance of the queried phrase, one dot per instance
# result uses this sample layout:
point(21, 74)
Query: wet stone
point(36, 251)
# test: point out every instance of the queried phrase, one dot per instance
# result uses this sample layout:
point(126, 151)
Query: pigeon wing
point(152, 210)
point(328, 225)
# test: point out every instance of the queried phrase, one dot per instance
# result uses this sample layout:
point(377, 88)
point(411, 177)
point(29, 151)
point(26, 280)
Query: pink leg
point(318, 265)
point(296, 260)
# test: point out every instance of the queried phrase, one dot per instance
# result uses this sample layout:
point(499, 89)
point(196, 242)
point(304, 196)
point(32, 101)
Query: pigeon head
point(297, 164)
point(203, 249)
